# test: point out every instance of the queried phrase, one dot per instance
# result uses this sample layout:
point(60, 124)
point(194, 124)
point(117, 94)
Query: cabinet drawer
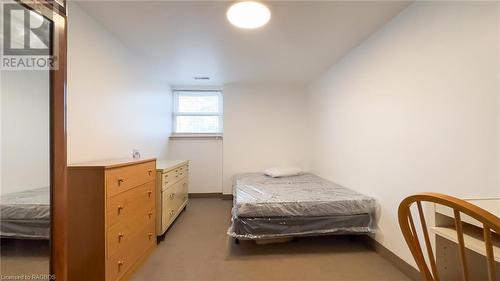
point(184, 189)
point(169, 197)
point(167, 218)
point(124, 178)
point(170, 177)
point(173, 176)
point(123, 235)
point(180, 194)
point(124, 206)
point(174, 196)
point(170, 204)
point(183, 171)
point(124, 259)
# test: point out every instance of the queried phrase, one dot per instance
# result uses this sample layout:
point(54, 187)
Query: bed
point(302, 205)
point(25, 214)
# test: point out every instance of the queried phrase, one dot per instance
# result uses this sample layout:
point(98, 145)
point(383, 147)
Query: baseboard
point(205, 195)
point(211, 195)
point(403, 266)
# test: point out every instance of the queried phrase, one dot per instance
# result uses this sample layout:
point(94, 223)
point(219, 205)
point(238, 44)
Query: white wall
point(115, 102)
point(25, 130)
point(414, 108)
point(263, 127)
point(205, 156)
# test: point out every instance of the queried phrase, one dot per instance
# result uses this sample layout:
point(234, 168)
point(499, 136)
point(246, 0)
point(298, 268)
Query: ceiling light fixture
point(248, 14)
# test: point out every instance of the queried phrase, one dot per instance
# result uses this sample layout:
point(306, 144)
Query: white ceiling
point(193, 38)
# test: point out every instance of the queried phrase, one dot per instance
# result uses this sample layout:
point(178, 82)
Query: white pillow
point(278, 172)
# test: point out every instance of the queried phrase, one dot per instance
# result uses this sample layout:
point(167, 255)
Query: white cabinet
point(446, 241)
point(172, 181)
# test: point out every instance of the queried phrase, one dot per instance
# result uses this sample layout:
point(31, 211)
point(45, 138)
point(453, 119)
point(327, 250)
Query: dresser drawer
point(171, 177)
point(122, 235)
point(125, 258)
point(167, 217)
point(184, 190)
point(183, 171)
point(124, 206)
point(169, 207)
point(179, 193)
point(169, 197)
point(124, 178)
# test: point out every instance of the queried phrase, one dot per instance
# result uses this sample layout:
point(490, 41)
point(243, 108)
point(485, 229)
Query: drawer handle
point(150, 235)
point(150, 172)
point(120, 236)
point(149, 193)
point(120, 208)
point(172, 196)
point(171, 212)
point(181, 174)
point(150, 214)
point(120, 263)
point(120, 181)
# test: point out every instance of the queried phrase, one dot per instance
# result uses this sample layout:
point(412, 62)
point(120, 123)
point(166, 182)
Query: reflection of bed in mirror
point(33, 144)
point(25, 214)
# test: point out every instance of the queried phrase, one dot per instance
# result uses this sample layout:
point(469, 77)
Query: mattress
point(257, 195)
point(303, 205)
point(274, 227)
point(25, 214)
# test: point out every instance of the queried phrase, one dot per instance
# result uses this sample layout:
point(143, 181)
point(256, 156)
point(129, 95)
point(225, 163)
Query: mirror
point(25, 147)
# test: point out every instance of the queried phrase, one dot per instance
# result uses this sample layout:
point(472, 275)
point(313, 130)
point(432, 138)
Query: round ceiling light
point(248, 14)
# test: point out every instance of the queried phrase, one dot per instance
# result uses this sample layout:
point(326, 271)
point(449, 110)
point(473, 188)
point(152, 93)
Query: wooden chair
point(490, 223)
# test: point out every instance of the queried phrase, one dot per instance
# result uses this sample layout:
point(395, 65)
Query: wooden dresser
point(172, 181)
point(111, 206)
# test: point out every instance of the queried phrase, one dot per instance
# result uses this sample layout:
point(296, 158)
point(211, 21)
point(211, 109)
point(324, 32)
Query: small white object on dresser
point(172, 181)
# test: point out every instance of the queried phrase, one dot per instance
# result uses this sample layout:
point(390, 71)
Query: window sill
point(196, 136)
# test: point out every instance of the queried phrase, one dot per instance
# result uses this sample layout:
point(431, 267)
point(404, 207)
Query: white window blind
point(197, 112)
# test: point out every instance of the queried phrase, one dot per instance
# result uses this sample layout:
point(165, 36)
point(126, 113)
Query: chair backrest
point(489, 221)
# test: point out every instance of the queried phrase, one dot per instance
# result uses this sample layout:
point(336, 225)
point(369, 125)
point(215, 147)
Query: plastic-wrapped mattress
point(25, 214)
point(302, 205)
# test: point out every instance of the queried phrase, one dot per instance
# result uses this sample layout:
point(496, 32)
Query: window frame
point(175, 113)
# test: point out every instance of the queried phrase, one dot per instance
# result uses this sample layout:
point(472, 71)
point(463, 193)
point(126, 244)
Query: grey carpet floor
point(19, 258)
point(197, 248)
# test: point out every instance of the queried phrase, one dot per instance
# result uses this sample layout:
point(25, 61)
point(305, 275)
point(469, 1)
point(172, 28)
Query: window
point(197, 112)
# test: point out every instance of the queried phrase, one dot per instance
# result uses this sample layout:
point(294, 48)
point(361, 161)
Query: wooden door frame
point(56, 11)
